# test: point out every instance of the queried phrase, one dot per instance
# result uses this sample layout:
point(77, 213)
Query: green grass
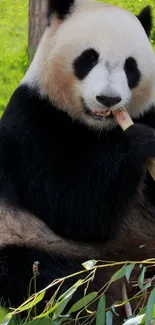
point(13, 46)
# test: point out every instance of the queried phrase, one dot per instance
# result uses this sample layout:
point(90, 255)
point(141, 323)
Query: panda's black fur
point(84, 184)
point(146, 20)
point(68, 165)
point(60, 8)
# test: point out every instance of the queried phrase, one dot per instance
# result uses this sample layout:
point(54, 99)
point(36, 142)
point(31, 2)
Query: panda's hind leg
point(16, 273)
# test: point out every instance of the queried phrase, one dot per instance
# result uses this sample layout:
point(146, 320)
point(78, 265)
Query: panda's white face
point(99, 59)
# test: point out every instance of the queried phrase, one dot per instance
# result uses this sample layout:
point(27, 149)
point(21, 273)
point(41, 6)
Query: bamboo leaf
point(114, 311)
point(60, 305)
point(60, 308)
point(129, 269)
point(70, 291)
point(109, 317)
point(119, 274)
point(141, 278)
point(89, 264)
point(47, 313)
point(33, 303)
point(146, 286)
point(150, 307)
point(83, 302)
point(4, 316)
point(100, 316)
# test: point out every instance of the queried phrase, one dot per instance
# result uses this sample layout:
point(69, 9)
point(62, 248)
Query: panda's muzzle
point(108, 101)
point(99, 114)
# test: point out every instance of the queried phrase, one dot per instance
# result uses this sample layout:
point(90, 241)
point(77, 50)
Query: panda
point(73, 185)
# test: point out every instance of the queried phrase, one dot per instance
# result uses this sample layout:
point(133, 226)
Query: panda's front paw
point(141, 139)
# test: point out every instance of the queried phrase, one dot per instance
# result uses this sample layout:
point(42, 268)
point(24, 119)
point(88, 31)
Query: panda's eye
point(84, 63)
point(93, 56)
point(132, 72)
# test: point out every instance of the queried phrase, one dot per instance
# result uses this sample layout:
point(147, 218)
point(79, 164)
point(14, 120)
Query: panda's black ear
point(60, 7)
point(145, 17)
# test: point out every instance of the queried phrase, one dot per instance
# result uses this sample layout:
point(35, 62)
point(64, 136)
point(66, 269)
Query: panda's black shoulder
point(24, 105)
point(28, 111)
point(30, 118)
point(29, 115)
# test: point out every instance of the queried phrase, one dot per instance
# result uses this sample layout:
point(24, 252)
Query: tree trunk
point(37, 24)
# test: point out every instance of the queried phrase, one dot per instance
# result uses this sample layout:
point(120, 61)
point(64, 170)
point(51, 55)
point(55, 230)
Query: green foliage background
point(13, 41)
point(13, 46)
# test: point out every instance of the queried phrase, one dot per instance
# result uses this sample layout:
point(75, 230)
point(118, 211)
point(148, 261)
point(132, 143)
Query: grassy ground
point(13, 44)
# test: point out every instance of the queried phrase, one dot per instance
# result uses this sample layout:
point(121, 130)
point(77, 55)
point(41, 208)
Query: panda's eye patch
point(132, 72)
point(84, 63)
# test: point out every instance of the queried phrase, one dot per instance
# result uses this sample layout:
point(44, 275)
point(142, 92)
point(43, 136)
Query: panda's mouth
point(98, 114)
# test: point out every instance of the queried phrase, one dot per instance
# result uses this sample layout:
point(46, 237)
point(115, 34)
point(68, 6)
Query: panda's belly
point(76, 208)
point(136, 229)
point(72, 194)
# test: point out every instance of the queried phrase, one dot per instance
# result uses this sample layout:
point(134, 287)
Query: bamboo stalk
point(124, 120)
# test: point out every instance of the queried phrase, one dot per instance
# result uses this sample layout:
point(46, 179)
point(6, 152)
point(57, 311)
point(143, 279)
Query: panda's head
point(95, 57)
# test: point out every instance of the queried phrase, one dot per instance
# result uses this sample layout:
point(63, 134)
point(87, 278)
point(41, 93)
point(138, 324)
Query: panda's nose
point(108, 101)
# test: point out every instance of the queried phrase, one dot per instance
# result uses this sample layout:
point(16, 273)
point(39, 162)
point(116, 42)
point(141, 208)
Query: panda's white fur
point(115, 34)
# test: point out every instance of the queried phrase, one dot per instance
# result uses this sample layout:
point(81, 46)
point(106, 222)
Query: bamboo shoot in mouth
point(124, 120)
